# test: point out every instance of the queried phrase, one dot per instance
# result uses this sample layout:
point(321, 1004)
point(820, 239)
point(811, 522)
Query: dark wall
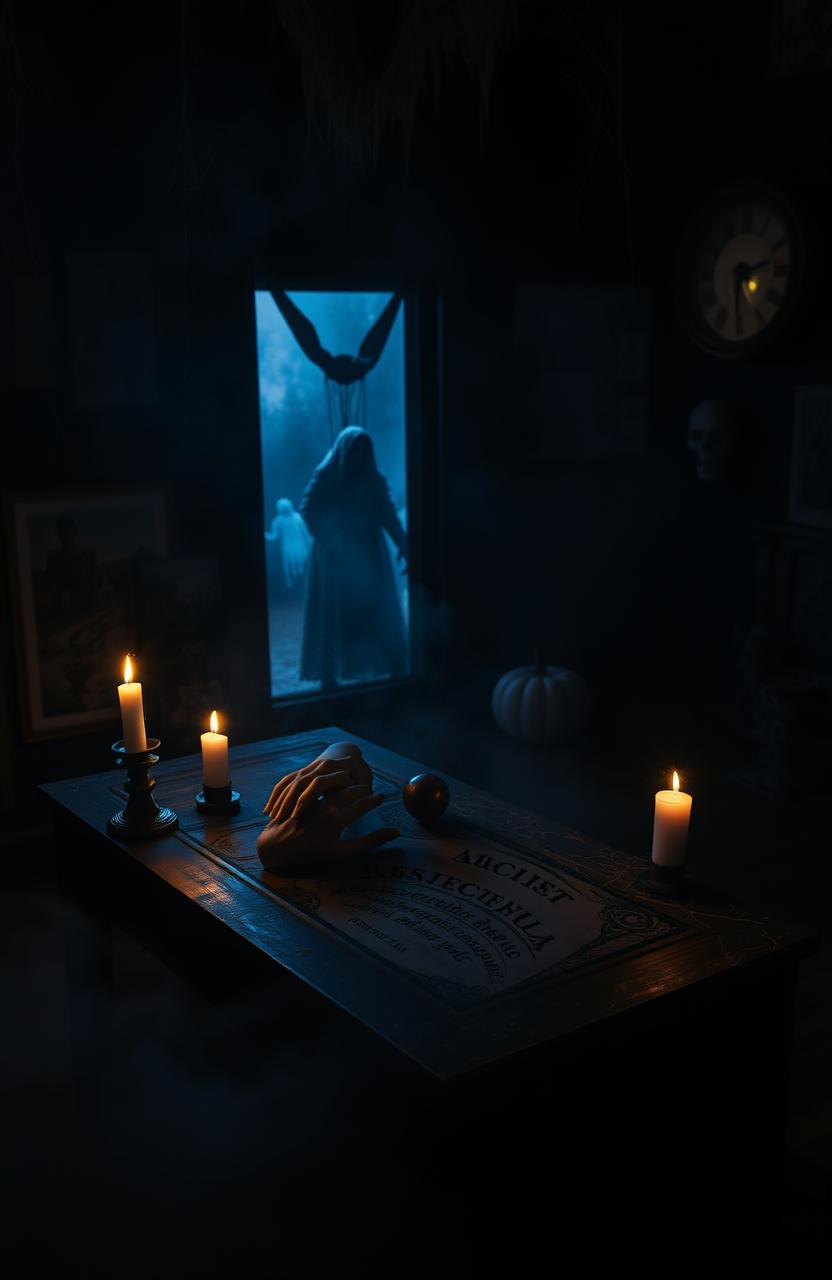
point(181, 132)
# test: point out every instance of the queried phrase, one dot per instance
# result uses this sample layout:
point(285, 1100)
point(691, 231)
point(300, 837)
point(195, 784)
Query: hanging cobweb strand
point(364, 68)
point(347, 401)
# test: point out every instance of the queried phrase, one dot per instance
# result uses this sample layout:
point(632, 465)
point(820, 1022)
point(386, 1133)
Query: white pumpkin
point(540, 704)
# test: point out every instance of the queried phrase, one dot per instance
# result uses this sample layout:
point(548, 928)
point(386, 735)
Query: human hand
point(312, 833)
point(293, 794)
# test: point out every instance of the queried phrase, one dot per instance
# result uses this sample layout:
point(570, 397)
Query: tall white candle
point(670, 826)
point(215, 771)
point(132, 711)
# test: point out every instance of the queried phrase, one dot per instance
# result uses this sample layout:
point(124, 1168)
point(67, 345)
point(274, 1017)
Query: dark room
point(416, 650)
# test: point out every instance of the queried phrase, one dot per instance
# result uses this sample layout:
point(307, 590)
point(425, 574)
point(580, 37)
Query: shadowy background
point(181, 134)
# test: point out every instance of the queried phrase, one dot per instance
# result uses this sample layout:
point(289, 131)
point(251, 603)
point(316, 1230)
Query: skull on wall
point(712, 432)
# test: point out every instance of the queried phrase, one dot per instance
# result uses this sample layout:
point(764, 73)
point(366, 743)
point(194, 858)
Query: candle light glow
point(670, 826)
point(215, 772)
point(132, 711)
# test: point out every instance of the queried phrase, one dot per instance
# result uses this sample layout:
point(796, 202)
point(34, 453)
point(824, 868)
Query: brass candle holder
point(141, 818)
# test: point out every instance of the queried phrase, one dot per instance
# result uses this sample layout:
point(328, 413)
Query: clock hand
point(738, 278)
point(750, 270)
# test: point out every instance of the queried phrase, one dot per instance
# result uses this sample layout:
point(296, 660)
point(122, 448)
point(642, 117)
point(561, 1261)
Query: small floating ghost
point(294, 539)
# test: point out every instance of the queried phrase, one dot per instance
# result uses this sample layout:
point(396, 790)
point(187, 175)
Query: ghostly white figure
point(290, 532)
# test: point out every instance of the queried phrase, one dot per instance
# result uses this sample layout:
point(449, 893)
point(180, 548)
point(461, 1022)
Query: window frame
point(416, 488)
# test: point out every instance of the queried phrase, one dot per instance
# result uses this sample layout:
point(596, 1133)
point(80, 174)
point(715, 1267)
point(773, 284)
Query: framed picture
point(811, 480)
point(74, 567)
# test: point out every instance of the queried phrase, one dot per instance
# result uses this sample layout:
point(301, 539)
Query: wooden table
point(503, 964)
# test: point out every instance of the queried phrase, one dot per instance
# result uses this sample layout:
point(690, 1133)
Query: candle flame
point(128, 670)
point(675, 780)
point(215, 724)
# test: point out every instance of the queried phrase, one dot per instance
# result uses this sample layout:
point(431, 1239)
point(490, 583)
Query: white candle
point(670, 826)
point(215, 756)
point(132, 711)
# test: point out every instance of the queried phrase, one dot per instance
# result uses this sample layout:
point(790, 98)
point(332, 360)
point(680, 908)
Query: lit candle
point(132, 711)
point(215, 756)
point(670, 826)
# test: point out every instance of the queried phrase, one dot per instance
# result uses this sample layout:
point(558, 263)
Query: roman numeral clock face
point(742, 264)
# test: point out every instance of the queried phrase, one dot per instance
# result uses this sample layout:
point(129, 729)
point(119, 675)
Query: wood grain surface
point(649, 950)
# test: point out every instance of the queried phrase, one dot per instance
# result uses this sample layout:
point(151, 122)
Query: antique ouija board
point(465, 910)
point(461, 943)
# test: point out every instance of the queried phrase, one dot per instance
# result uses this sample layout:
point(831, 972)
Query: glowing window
point(333, 440)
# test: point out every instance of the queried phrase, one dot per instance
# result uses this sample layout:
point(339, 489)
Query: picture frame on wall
point(810, 499)
point(75, 558)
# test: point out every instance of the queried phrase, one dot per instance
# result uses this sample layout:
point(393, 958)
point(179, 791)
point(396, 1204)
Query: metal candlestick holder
point(141, 818)
point(217, 800)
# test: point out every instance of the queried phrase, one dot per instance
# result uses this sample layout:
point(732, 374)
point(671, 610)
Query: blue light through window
point(334, 490)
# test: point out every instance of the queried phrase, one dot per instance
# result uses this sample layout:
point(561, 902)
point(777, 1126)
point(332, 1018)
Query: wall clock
point(740, 270)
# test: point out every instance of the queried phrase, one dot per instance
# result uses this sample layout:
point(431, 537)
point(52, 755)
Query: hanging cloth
point(343, 374)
